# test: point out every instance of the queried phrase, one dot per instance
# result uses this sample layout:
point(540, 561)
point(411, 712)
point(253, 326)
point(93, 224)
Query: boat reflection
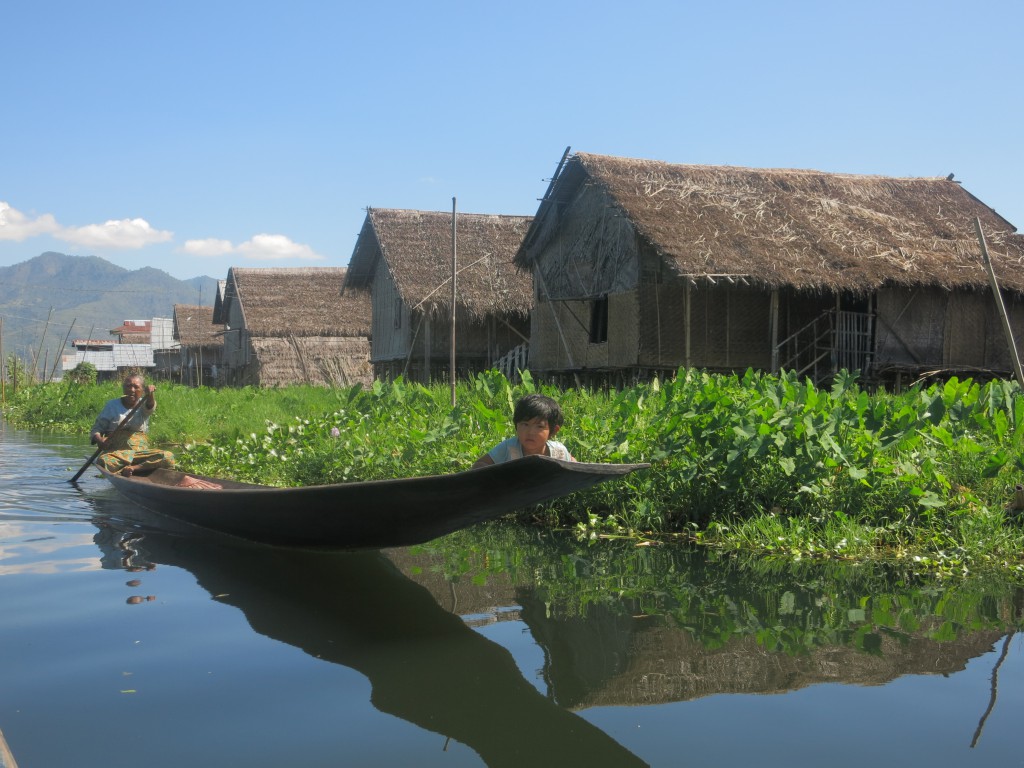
point(424, 663)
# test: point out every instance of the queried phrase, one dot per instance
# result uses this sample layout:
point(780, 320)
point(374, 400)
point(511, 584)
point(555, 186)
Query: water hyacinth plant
point(753, 461)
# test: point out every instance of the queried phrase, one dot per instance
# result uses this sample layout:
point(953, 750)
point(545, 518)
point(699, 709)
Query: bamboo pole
point(1007, 329)
point(455, 263)
point(63, 347)
point(35, 358)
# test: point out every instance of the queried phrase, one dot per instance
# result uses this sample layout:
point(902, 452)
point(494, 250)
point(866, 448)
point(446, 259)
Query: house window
point(398, 314)
point(599, 320)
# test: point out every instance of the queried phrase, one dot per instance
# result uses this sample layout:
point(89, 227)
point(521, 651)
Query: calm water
point(126, 642)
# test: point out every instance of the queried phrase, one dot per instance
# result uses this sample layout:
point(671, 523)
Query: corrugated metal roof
point(121, 356)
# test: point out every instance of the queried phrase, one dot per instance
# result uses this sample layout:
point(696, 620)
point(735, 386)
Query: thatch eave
point(803, 229)
point(416, 248)
point(300, 302)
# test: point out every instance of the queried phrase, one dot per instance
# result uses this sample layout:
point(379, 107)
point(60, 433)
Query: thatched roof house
point(404, 258)
point(646, 266)
point(200, 344)
point(292, 326)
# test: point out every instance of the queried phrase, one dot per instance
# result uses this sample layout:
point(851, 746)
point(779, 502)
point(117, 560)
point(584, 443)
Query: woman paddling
point(121, 432)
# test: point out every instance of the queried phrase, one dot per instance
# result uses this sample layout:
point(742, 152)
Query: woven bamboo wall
point(316, 360)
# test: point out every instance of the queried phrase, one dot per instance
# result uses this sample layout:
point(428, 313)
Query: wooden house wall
point(921, 329)
point(201, 366)
point(389, 343)
point(333, 361)
point(237, 351)
point(730, 327)
point(661, 335)
point(478, 345)
point(594, 251)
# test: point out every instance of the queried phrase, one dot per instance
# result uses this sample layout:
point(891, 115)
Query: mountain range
point(54, 297)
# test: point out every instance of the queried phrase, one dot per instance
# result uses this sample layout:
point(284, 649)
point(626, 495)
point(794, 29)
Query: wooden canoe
point(372, 514)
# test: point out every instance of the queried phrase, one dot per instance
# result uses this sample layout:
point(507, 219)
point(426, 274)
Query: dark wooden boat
point(373, 514)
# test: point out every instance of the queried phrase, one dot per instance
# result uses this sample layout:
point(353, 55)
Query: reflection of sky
point(46, 549)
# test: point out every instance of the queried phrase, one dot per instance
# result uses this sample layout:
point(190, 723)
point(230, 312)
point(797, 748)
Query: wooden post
point(688, 301)
point(455, 263)
point(1014, 357)
point(774, 324)
point(428, 341)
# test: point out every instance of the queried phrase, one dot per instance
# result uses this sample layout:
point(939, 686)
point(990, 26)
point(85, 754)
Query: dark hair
point(538, 406)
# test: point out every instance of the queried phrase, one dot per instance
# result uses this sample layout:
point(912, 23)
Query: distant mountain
point(88, 296)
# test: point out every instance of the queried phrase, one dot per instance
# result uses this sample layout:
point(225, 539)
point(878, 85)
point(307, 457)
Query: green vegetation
point(719, 597)
point(750, 463)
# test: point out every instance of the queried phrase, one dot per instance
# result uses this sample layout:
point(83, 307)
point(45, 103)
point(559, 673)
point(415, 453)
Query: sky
point(198, 136)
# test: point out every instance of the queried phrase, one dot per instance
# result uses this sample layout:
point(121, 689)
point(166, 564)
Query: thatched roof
point(807, 229)
point(416, 248)
point(194, 326)
point(297, 302)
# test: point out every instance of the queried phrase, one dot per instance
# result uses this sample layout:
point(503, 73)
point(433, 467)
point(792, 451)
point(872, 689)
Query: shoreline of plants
point(753, 462)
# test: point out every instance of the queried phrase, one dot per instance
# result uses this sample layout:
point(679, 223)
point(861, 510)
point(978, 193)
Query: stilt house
point(200, 345)
point(641, 267)
point(291, 326)
point(404, 258)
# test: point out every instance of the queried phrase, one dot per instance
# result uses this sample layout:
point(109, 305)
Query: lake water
point(127, 641)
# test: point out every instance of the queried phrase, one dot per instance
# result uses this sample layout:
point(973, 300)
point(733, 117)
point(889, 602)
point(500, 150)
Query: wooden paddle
point(122, 425)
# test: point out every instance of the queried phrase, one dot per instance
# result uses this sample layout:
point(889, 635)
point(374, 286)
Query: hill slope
point(88, 296)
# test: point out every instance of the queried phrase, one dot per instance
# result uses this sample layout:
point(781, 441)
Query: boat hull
point(373, 514)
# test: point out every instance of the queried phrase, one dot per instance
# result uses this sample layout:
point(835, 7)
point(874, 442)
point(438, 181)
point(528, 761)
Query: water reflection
point(618, 625)
point(622, 625)
point(614, 625)
point(424, 663)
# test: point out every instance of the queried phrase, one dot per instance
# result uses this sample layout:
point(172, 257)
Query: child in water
point(537, 419)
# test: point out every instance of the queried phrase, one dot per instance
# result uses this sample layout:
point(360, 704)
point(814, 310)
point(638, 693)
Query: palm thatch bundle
point(194, 327)
point(298, 302)
point(416, 247)
point(801, 228)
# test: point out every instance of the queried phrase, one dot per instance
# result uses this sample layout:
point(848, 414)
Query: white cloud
point(124, 233)
point(269, 247)
point(210, 246)
point(15, 225)
point(262, 247)
point(137, 233)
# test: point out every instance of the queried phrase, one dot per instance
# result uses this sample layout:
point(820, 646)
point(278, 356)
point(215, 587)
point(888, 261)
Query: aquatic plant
point(752, 461)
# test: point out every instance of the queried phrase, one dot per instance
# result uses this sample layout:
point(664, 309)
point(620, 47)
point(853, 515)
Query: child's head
point(537, 419)
point(535, 406)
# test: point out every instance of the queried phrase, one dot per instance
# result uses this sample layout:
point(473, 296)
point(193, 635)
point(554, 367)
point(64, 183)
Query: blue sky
point(197, 136)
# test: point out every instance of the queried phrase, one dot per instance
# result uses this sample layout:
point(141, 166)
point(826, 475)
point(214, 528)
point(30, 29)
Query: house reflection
point(650, 647)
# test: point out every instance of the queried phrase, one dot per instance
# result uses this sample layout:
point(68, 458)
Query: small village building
point(111, 359)
point(641, 267)
point(200, 345)
point(293, 326)
point(405, 259)
point(133, 332)
point(165, 348)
